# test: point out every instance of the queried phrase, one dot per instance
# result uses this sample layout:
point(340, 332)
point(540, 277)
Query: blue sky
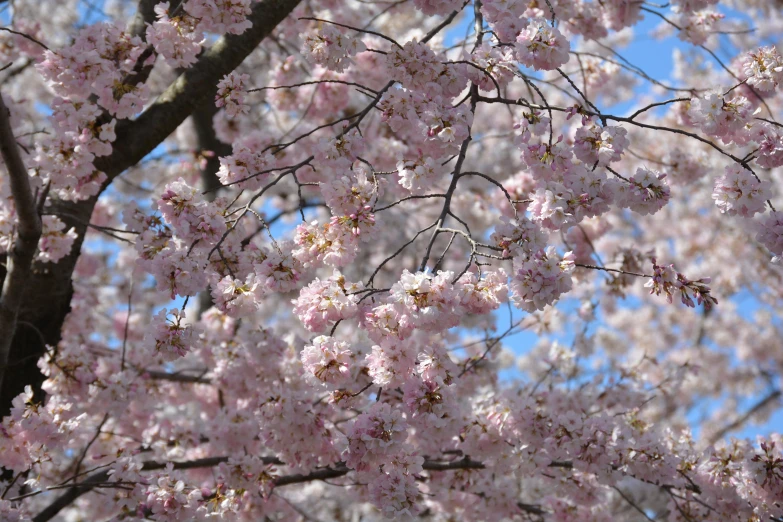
point(655, 56)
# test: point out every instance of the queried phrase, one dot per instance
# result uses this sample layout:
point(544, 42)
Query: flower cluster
point(480, 296)
point(236, 297)
point(570, 195)
point(436, 125)
point(429, 301)
point(31, 428)
point(178, 38)
point(542, 46)
point(721, 118)
point(668, 281)
point(171, 338)
point(332, 48)
point(436, 7)
point(348, 194)
point(231, 94)
point(739, 192)
point(419, 175)
point(321, 307)
point(696, 27)
point(594, 144)
point(375, 436)
point(220, 16)
point(764, 69)
point(395, 493)
point(327, 360)
point(645, 193)
point(178, 34)
point(246, 167)
point(168, 499)
point(532, 124)
point(65, 159)
point(417, 67)
point(191, 217)
point(55, 242)
point(770, 145)
point(541, 279)
point(332, 243)
point(518, 237)
point(99, 63)
point(493, 67)
point(322, 303)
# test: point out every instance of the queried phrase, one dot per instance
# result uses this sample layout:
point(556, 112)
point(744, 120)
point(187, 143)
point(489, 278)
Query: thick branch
point(177, 377)
point(69, 496)
point(338, 470)
point(48, 293)
point(28, 232)
point(145, 14)
point(102, 477)
point(194, 87)
point(464, 463)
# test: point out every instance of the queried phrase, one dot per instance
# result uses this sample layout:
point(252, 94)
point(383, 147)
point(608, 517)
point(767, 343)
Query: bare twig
point(760, 405)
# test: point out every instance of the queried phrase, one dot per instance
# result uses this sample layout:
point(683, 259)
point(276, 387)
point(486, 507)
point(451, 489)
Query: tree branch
point(145, 14)
point(28, 233)
point(339, 470)
point(773, 396)
point(48, 293)
point(196, 86)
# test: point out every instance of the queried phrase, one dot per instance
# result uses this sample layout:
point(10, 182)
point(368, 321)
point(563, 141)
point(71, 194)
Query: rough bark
point(28, 232)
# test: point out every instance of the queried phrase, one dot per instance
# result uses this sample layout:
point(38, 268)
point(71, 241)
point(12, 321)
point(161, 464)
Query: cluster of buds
point(667, 280)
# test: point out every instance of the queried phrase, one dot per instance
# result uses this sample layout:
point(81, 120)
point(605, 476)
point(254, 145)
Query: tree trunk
point(48, 299)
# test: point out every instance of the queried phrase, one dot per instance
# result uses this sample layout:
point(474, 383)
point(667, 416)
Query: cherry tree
point(372, 259)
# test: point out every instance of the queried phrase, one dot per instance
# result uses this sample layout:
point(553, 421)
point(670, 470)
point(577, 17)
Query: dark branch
point(28, 232)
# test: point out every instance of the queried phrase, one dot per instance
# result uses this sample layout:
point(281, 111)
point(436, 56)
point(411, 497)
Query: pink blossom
point(376, 435)
point(719, 117)
point(764, 68)
point(645, 193)
point(739, 192)
point(238, 298)
point(542, 46)
point(430, 301)
point(221, 16)
point(54, 243)
point(541, 279)
point(322, 303)
point(171, 338)
point(668, 281)
point(395, 494)
point(494, 68)
point(327, 360)
point(332, 48)
point(601, 145)
point(482, 295)
point(231, 93)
